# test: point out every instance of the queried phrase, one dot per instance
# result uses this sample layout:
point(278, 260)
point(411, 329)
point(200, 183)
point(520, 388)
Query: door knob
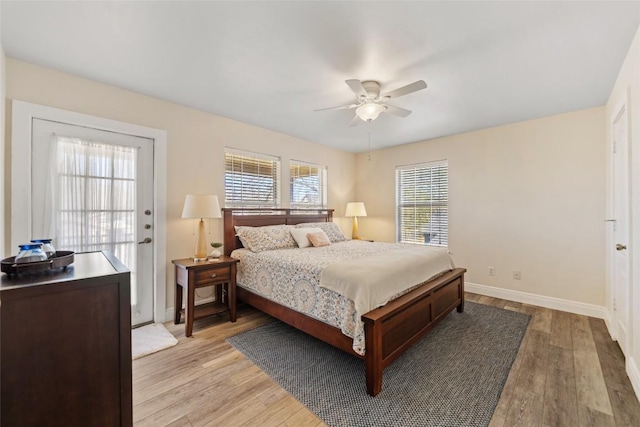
point(620, 247)
point(146, 240)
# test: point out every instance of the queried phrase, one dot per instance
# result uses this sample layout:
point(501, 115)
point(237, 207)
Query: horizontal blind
point(422, 198)
point(251, 180)
point(308, 185)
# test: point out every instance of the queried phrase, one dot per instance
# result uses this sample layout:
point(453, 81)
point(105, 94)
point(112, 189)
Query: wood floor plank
point(525, 409)
point(206, 378)
point(497, 421)
point(182, 422)
point(209, 400)
point(560, 398)
point(590, 386)
point(527, 402)
point(276, 414)
point(541, 320)
point(512, 305)
point(561, 330)
point(471, 297)
point(626, 408)
point(179, 365)
point(185, 378)
point(303, 418)
point(590, 417)
point(232, 416)
point(238, 404)
point(486, 300)
point(504, 402)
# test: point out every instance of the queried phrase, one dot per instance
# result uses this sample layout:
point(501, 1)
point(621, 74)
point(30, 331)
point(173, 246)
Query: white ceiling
point(272, 63)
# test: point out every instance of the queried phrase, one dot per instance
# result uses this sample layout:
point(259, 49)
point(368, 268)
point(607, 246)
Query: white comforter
point(373, 281)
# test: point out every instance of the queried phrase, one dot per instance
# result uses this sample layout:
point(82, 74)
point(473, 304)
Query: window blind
point(308, 185)
point(422, 197)
point(251, 180)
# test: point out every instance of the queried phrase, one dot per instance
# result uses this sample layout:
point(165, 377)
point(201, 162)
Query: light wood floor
point(568, 372)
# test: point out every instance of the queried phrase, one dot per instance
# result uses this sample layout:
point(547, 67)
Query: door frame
point(23, 114)
point(621, 107)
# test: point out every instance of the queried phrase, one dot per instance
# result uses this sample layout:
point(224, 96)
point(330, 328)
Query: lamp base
point(201, 244)
point(354, 232)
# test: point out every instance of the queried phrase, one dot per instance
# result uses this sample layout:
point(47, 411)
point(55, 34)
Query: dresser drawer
point(212, 275)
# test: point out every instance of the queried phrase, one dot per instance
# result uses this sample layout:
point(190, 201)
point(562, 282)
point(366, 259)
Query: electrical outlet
point(517, 275)
point(492, 271)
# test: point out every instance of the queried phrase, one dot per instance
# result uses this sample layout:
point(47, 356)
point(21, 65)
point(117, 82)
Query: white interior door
point(621, 286)
point(93, 190)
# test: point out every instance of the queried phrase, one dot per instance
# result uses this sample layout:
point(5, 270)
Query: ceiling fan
point(369, 103)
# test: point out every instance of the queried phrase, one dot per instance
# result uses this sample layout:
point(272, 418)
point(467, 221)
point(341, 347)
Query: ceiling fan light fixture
point(369, 111)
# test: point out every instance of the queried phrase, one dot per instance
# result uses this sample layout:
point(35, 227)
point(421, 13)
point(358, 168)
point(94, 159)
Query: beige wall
point(528, 196)
point(195, 144)
point(628, 86)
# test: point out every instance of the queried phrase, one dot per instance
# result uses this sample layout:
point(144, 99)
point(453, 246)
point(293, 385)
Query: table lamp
point(355, 209)
point(201, 206)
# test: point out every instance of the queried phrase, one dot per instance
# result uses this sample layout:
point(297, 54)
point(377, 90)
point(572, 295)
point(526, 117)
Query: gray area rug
point(452, 377)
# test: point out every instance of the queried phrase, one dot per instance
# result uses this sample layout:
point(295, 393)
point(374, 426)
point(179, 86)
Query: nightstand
point(191, 275)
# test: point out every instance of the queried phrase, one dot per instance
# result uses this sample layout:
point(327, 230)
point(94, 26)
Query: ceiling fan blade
point(355, 121)
point(405, 90)
point(396, 111)
point(342, 107)
point(357, 88)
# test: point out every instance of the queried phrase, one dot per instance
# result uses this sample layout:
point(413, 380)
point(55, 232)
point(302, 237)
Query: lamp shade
point(201, 206)
point(355, 209)
point(369, 111)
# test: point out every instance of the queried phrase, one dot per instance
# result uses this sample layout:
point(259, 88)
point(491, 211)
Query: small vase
point(215, 253)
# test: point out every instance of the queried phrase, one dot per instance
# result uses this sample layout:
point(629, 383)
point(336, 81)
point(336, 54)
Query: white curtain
point(95, 201)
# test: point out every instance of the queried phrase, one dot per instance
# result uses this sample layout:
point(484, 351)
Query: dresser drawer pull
point(213, 276)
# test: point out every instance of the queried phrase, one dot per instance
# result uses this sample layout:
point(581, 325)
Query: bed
point(388, 330)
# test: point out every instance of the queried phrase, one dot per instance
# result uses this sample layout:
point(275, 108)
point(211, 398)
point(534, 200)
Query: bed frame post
point(373, 356)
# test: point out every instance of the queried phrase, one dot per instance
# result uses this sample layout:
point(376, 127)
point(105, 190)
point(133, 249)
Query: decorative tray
point(60, 260)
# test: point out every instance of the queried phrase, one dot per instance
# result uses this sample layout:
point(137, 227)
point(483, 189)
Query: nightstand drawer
point(218, 274)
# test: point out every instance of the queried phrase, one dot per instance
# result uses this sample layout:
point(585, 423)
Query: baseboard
point(609, 324)
point(576, 307)
point(634, 375)
point(170, 312)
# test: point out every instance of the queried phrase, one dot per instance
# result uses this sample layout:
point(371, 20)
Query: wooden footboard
point(390, 330)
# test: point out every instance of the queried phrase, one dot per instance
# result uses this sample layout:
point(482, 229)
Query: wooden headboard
point(257, 217)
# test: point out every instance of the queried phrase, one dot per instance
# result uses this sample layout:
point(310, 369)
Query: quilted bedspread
point(291, 277)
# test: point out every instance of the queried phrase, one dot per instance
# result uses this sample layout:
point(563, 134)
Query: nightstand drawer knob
point(213, 276)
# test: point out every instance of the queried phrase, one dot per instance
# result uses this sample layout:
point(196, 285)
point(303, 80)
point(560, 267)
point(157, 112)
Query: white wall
point(527, 196)
point(195, 145)
point(628, 84)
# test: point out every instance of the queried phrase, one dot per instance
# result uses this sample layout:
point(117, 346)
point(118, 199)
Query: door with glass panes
point(93, 190)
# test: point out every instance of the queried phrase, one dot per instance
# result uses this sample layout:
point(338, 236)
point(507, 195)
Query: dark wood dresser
point(65, 345)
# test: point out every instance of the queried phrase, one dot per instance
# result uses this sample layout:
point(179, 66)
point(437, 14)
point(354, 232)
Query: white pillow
point(300, 236)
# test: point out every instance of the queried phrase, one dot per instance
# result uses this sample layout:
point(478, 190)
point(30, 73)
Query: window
point(422, 196)
point(308, 185)
point(251, 180)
